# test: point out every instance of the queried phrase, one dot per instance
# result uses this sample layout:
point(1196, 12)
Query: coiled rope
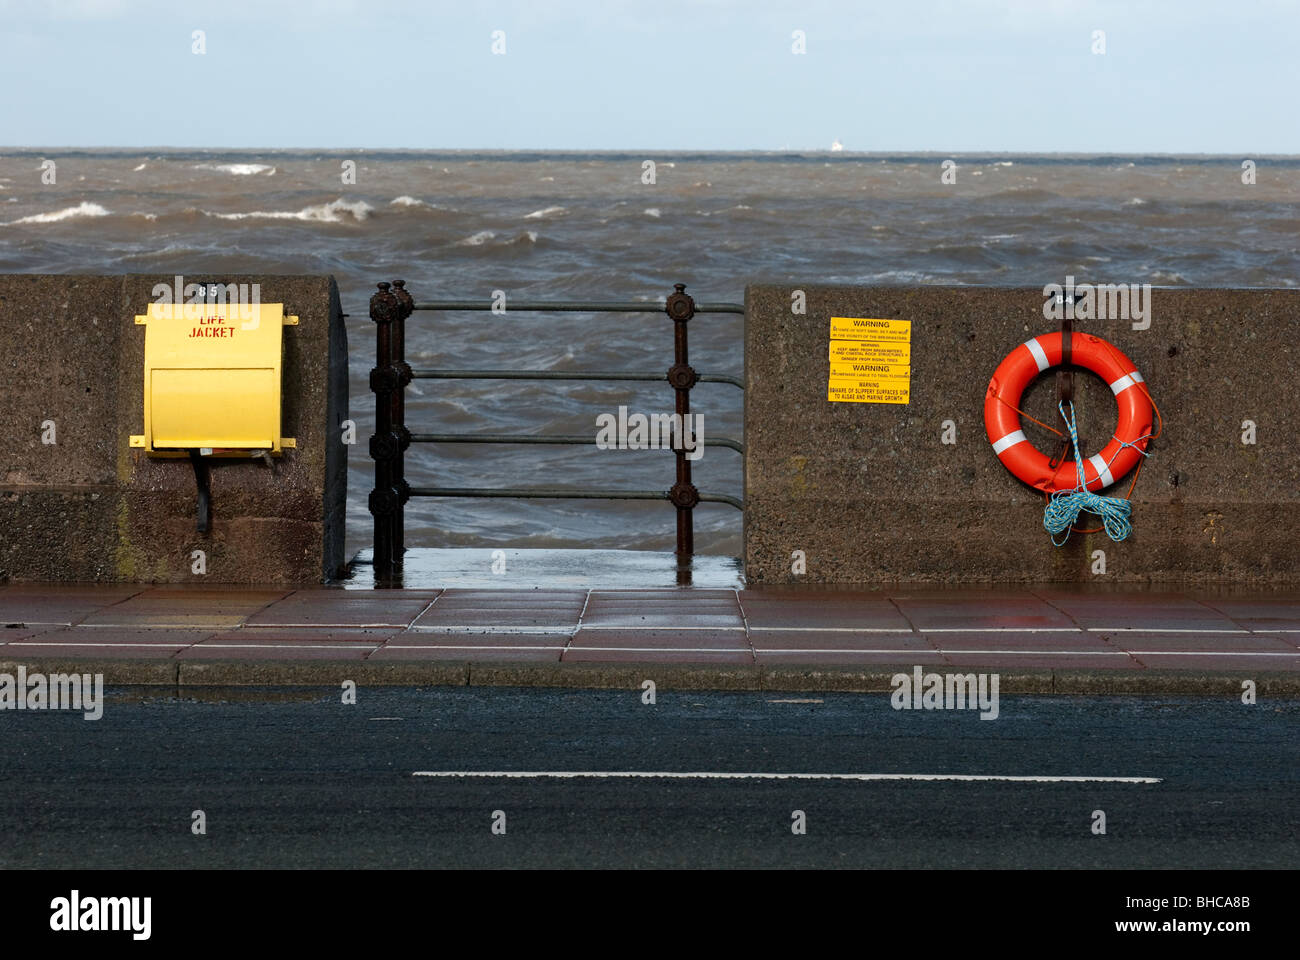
point(1064, 506)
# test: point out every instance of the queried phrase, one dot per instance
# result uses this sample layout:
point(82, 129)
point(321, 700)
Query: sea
point(623, 226)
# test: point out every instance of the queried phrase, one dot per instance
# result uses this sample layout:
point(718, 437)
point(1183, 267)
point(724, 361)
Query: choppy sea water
point(586, 226)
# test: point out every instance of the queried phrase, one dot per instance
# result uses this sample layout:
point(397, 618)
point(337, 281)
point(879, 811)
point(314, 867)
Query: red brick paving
point(501, 653)
point(324, 608)
point(282, 650)
point(795, 639)
point(959, 612)
point(477, 611)
point(621, 645)
point(848, 658)
point(474, 641)
point(1030, 627)
point(1021, 642)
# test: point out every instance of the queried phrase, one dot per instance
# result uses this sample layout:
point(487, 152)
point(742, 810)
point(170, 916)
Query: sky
point(1009, 76)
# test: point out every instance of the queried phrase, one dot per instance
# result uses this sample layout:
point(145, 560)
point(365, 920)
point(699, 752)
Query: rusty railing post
point(406, 306)
point(385, 445)
point(680, 307)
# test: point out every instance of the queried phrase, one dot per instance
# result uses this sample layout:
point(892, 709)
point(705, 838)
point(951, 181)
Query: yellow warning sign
point(858, 371)
point(870, 360)
point(865, 328)
point(870, 351)
point(869, 391)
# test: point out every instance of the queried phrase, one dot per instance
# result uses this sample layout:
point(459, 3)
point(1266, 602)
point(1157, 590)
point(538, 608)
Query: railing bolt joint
point(385, 446)
point(680, 306)
point(383, 503)
point(684, 496)
point(384, 379)
point(682, 376)
point(383, 305)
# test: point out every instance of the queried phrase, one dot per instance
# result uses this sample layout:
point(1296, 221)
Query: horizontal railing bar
point(722, 498)
point(540, 493)
point(560, 493)
point(572, 306)
point(557, 438)
point(426, 373)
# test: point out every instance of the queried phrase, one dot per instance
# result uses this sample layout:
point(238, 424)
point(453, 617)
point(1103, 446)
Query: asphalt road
point(298, 779)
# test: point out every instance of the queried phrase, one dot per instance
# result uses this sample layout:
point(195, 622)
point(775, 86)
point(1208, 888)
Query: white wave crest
point(487, 236)
point(544, 212)
point(405, 201)
point(139, 168)
point(81, 210)
point(319, 213)
point(652, 212)
point(239, 169)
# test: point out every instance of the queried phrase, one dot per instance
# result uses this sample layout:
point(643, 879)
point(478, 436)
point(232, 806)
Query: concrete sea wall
point(77, 502)
point(866, 492)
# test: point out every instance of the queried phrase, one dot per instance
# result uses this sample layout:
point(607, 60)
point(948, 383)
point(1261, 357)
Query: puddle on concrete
point(429, 568)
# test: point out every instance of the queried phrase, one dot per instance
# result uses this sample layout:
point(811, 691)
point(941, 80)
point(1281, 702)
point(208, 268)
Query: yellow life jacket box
point(212, 379)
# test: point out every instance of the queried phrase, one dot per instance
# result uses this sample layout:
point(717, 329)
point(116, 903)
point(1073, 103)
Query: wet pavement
point(1039, 627)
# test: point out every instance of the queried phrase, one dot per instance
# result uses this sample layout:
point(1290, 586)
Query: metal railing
point(390, 308)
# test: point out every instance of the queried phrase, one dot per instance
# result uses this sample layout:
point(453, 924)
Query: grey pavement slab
point(1043, 628)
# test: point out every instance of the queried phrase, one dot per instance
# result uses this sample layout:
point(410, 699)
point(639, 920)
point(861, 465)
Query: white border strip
point(197, 625)
point(674, 775)
point(649, 626)
point(908, 652)
point(513, 630)
point(999, 630)
point(1214, 653)
point(1010, 440)
point(466, 646)
point(1124, 382)
point(904, 653)
point(168, 645)
point(286, 646)
point(573, 648)
point(1040, 356)
point(797, 629)
point(1103, 471)
point(325, 625)
point(1164, 630)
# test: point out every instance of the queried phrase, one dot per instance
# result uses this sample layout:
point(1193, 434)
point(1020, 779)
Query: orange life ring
point(1002, 420)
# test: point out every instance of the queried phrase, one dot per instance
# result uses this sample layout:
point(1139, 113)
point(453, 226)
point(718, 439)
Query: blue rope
point(1064, 506)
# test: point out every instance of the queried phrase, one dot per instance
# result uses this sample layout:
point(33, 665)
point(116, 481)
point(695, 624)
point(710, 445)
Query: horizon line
point(656, 151)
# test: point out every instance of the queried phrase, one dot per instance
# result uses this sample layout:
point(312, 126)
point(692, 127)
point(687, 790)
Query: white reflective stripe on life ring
point(1040, 357)
point(1103, 471)
point(1124, 382)
point(1010, 440)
